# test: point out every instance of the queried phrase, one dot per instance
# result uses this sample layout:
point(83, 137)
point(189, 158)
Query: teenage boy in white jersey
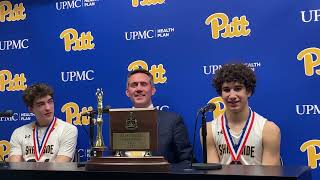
point(48, 139)
point(240, 135)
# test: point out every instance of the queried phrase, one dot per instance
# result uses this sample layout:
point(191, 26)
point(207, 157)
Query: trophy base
point(98, 151)
point(128, 164)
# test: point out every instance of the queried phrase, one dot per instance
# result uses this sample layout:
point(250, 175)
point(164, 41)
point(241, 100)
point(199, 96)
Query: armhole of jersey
point(263, 124)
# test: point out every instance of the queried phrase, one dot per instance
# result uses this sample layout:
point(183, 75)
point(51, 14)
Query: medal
point(236, 149)
point(39, 148)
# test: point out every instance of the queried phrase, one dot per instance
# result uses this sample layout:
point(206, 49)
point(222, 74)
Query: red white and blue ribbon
point(236, 150)
point(39, 147)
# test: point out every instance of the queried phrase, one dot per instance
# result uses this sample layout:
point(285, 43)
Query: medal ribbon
point(235, 151)
point(39, 148)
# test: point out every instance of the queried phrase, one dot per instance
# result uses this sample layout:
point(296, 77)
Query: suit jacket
point(173, 140)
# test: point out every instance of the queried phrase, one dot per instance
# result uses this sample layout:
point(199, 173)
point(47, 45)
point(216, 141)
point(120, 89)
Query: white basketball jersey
point(243, 148)
point(61, 140)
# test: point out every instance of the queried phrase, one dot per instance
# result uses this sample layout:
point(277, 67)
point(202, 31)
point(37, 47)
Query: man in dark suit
point(173, 141)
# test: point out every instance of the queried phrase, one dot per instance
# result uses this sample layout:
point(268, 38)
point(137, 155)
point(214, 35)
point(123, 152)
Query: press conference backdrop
point(78, 46)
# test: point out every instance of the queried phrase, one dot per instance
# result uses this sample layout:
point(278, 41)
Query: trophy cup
point(99, 146)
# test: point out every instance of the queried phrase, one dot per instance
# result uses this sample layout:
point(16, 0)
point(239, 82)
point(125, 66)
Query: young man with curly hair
point(240, 135)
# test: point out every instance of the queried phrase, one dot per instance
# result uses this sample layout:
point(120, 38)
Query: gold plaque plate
point(131, 141)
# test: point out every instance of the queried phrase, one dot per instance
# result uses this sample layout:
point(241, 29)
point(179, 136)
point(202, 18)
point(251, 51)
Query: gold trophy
point(99, 145)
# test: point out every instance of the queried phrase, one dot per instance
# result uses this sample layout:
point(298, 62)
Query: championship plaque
point(133, 129)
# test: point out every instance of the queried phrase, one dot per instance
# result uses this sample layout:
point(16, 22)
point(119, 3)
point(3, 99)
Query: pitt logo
point(17, 83)
point(71, 39)
point(4, 148)
point(311, 60)
point(9, 13)
point(236, 28)
point(73, 115)
point(313, 156)
point(219, 106)
point(156, 71)
point(135, 3)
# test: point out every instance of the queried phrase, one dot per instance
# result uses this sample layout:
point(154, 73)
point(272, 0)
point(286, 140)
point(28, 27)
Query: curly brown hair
point(239, 73)
point(36, 91)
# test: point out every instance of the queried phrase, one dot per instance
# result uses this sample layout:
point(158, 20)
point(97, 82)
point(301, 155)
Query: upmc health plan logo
point(211, 69)
point(24, 116)
point(149, 34)
point(12, 12)
point(74, 4)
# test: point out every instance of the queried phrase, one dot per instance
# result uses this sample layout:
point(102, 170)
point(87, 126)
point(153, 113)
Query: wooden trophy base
point(99, 151)
point(128, 164)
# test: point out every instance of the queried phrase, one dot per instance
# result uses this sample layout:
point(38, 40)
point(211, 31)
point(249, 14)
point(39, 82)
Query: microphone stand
point(91, 133)
point(204, 136)
point(205, 165)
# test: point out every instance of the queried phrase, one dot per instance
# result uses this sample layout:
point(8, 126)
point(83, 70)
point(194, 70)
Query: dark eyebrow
point(237, 86)
point(41, 102)
point(38, 103)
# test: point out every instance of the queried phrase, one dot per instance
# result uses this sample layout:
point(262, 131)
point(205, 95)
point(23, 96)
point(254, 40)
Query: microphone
point(205, 165)
point(208, 108)
point(7, 113)
point(94, 112)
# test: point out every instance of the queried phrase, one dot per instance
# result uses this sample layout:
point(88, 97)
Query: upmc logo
point(311, 16)
point(149, 34)
point(310, 56)
point(10, 12)
point(220, 21)
point(73, 4)
point(77, 76)
point(73, 41)
point(307, 109)
point(14, 44)
point(136, 3)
